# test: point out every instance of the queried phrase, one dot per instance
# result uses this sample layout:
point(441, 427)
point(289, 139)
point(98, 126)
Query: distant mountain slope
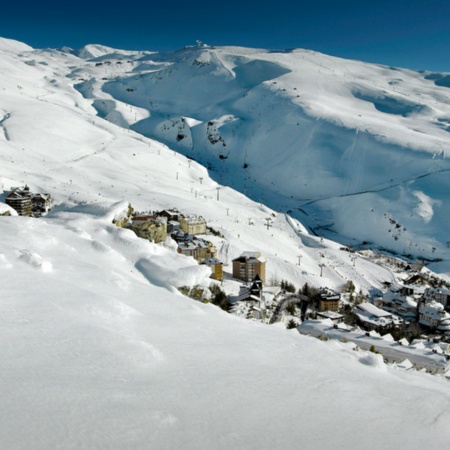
point(358, 147)
point(10, 45)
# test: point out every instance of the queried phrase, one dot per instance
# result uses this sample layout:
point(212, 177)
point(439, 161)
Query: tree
point(291, 324)
point(350, 318)
point(290, 308)
point(414, 331)
point(312, 293)
point(349, 287)
point(360, 297)
point(288, 287)
point(219, 298)
point(305, 290)
point(309, 291)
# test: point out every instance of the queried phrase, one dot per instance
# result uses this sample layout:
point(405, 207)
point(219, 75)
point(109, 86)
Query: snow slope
point(97, 355)
point(351, 145)
point(100, 350)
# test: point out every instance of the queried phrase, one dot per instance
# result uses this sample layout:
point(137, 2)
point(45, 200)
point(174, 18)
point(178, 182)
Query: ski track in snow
point(379, 189)
point(2, 126)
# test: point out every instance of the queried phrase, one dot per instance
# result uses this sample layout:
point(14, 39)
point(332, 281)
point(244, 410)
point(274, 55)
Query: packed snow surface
point(99, 348)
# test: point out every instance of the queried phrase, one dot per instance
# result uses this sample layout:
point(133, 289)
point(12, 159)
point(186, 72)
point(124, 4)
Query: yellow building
point(216, 267)
point(193, 225)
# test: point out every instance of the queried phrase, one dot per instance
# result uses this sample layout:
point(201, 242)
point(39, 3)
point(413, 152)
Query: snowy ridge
point(100, 350)
point(10, 45)
point(93, 51)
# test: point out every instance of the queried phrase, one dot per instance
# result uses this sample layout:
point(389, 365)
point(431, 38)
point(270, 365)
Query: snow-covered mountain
point(100, 350)
point(348, 147)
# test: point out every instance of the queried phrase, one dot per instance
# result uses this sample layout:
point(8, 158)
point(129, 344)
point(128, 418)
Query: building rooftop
point(369, 309)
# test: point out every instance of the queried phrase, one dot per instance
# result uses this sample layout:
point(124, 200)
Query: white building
point(403, 305)
point(374, 317)
point(440, 295)
point(433, 315)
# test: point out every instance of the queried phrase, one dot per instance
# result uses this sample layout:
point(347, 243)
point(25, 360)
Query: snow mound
point(373, 360)
point(167, 272)
point(10, 45)
point(6, 209)
point(4, 264)
point(36, 261)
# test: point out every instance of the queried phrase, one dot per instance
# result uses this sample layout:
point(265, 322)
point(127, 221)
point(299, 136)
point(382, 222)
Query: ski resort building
point(216, 267)
point(440, 295)
point(329, 301)
point(40, 204)
point(170, 214)
point(248, 265)
point(28, 204)
point(404, 306)
point(189, 245)
point(20, 200)
point(433, 315)
point(193, 224)
point(372, 317)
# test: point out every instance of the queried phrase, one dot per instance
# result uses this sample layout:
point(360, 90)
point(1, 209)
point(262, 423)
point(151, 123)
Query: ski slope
point(308, 133)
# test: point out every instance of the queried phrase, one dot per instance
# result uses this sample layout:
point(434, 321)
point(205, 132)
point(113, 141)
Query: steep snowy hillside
point(348, 147)
point(100, 350)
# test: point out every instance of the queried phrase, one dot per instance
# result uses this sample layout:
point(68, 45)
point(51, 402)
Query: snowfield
point(99, 354)
point(101, 350)
point(341, 138)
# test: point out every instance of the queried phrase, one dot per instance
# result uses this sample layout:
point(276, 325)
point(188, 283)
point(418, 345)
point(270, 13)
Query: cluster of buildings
point(250, 302)
point(401, 304)
point(27, 203)
point(158, 225)
point(183, 229)
point(186, 231)
point(429, 307)
point(431, 356)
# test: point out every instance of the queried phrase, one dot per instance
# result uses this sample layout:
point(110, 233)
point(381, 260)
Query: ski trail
point(5, 131)
point(351, 159)
point(379, 189)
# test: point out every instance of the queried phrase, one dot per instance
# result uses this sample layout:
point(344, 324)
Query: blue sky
point(413, 33)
